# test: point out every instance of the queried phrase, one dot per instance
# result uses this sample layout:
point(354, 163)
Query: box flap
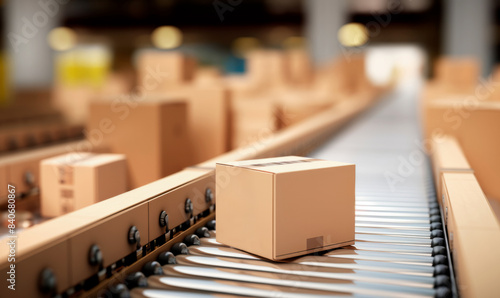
point(285, 164)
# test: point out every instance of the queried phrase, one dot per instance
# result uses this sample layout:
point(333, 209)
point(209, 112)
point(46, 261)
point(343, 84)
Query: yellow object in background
point(4, 80)
point(83, 66)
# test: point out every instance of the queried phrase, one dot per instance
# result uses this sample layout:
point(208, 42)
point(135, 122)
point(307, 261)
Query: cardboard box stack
point(280, 88)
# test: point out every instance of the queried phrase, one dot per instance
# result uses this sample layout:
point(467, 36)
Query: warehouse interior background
point(107, 34)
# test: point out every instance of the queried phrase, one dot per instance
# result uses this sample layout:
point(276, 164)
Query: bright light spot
point(294, 42)
point(401, 64)
point(353, 35)
point(166, 37)
point(61, 38)
point(243, 45)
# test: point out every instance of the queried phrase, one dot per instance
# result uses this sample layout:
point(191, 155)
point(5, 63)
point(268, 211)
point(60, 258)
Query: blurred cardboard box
point(300, 67)
point(296, 105)
point(447, 156)
point(153, 134)
point(476, 126)
point(284, 207)
point(345, 76)
point(161, 71)
point(75, 180)
point(208, 118)
point(268, 67)
point(207, 75)
point(73, 102)
point(493, 84)
point(458, 73)
point(253, 119)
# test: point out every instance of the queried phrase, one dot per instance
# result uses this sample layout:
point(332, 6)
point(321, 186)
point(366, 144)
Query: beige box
point(301, 70)
point(458, 73)
point(447, 156)
point(476, 126)
point(162, 71)
point(208, 116)
point(76, 180)
point(296, 105)
point(268, 67)
point(253, 119)
point(284, 207)
point(153, 134)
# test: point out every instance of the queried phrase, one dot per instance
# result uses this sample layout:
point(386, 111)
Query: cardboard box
point(300, 67)
point(473, 234)
point(152, 134)
point(253, 119)
point(76, 180)
point(447, 156)
point(284, 207)
point(296, 105)
point(476, 126)
point(161, 71)
point(459, 73)
point(208, 113)
point(268, 67)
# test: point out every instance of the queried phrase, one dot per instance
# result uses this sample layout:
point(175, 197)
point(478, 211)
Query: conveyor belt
point(400, 248)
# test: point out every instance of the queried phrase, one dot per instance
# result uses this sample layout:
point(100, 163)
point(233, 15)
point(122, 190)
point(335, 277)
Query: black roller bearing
point(439, 250)
point(203, 232)
point(433, 205)
point(442, 281)
point(136, 280)
point(436, 226)
point(437, 233)
point(152, 268)
point(441, 270)
point(210, 224)
point(192, 239)
point(118, 291)
point(443, 292)
point(438, 241)
point(439, 260)
point(179, 249)
point(434, 211)
point(166, 258)
point(435, 218)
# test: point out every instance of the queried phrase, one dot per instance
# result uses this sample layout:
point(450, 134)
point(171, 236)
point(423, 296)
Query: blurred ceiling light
point(61, 38)
point(294, 42)
point(353, 35)
point(166, 37)
point(243, 45)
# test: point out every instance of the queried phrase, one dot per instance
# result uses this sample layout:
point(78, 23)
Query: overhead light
point(62, 38)
point(352, 35)
point(166, 37)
